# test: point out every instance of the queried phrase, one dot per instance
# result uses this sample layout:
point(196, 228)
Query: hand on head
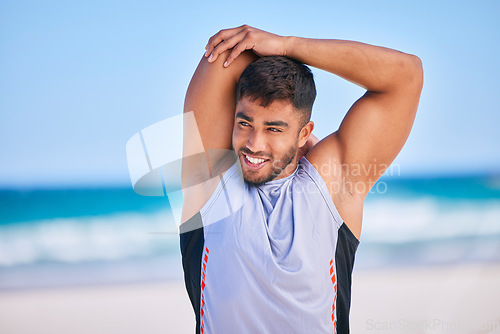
point(244, 38)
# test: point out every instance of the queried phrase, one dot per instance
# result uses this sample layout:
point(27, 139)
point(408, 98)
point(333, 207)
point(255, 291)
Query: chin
point(255, 182)
point(258, 174)
point(256, 179)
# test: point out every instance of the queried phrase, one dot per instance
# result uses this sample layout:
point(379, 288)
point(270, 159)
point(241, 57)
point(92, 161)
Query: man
point(274, 253)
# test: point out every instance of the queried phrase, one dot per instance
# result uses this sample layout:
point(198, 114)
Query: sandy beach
point(462, 298)
point(447, 299)
point(147, 308)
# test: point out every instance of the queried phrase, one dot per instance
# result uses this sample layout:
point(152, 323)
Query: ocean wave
point(113, 237)
point(427, 218)
point(124, 236)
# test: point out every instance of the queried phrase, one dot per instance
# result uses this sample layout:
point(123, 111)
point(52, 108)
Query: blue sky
point(78, 79)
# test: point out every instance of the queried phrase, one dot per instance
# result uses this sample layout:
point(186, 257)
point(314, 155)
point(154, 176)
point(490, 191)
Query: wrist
point(289, 42)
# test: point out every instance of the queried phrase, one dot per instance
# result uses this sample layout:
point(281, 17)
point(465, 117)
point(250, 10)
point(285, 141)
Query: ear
point(305, 132)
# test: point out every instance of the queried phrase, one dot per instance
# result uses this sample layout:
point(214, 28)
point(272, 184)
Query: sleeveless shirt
point(270, 259)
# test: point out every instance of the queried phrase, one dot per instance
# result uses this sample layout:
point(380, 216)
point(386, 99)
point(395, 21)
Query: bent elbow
point(417, 72)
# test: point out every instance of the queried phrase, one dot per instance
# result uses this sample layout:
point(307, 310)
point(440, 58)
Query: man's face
point(266, 140)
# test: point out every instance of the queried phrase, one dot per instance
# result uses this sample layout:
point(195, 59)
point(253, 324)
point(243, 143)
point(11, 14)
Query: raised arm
point(377, 126)
point(211, 98)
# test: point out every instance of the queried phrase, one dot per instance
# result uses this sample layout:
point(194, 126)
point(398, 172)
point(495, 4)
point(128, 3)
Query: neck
point(288, 170)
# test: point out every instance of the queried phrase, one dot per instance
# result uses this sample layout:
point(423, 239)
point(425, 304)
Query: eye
point(274, 130)
point(242, 123)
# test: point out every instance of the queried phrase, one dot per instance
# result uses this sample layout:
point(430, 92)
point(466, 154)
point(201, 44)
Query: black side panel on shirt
point(192, 250)
point(344, 261)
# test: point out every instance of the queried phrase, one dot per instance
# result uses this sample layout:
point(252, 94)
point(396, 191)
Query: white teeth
point(254, 161)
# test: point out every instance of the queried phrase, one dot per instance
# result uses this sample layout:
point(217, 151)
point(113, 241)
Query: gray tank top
point(268, 258)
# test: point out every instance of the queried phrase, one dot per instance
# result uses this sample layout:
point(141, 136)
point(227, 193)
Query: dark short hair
point(278, 78)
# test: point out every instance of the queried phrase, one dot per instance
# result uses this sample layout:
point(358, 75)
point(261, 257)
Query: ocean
point(65, 237)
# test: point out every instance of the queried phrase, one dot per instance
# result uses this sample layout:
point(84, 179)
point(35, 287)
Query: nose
point(256, 142)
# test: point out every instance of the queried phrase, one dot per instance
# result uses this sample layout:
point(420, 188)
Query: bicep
point(369, 138)
point(375, 130)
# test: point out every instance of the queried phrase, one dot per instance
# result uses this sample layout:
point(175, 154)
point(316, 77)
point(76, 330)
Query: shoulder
point(341, 177)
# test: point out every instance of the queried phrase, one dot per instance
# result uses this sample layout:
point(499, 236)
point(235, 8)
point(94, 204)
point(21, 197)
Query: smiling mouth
point(254, 163)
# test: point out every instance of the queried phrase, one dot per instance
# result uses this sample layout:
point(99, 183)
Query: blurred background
point(78, 79)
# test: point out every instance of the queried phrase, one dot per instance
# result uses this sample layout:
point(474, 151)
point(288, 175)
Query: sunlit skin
point(273, 133)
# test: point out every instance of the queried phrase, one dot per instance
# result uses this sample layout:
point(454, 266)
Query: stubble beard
point(278, 165)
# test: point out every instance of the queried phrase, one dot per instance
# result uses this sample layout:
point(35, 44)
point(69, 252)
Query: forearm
point(375, 68)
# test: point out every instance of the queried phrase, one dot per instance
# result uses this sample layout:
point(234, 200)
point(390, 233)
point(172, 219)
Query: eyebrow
point(271, 123)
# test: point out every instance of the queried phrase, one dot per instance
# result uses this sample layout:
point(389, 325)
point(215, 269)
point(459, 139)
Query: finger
point(237, 50)
point(216, 40)
point(210, 45)
point(221, 36)
point(226, 44)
